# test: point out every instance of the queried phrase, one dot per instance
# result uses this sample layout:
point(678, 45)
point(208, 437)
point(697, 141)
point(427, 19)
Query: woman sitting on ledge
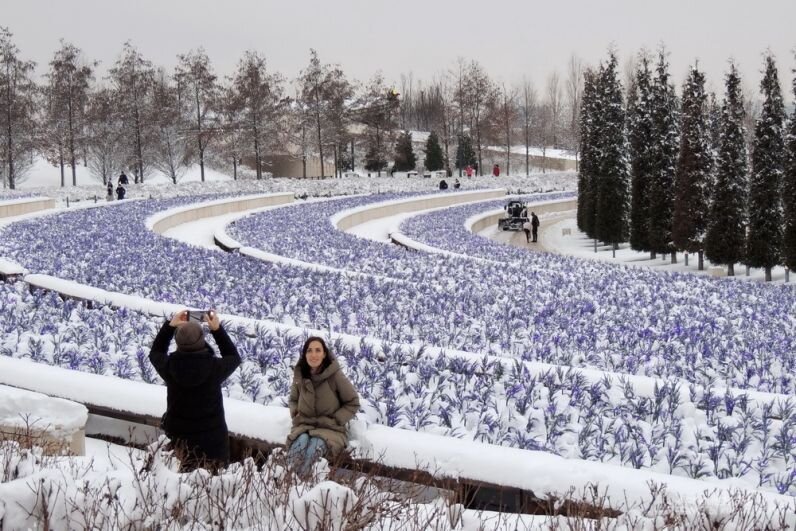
point(322, 401)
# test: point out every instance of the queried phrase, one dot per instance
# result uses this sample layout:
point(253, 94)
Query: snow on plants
point(693, 432)
point(537, 307)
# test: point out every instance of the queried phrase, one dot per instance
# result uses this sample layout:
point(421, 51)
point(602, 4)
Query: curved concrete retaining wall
point(491, 218)
point(364, 214)
point(17, 207)
point(172, 218)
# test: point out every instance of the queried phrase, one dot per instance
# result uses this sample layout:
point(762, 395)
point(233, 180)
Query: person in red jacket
point(496, 170)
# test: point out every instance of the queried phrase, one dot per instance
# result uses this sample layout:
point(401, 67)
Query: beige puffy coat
point(322, 405)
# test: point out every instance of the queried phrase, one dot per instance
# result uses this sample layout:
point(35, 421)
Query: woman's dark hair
point(306, 370)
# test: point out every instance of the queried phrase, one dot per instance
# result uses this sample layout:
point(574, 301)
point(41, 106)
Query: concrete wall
point(219, 209)
point(25, 206)
point(489, 220)
point(289, 166)
point(435, 201)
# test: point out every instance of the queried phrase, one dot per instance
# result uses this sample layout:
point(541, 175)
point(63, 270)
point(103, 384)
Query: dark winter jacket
point(322, 405)
point(123, 179)
point(195, 405)
point(534, 221)
point(120, 191)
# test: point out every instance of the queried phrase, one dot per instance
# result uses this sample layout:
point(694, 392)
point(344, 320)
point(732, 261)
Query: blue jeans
point(304, 451)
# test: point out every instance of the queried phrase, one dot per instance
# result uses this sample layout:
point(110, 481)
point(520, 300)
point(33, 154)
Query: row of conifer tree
point(668, 173)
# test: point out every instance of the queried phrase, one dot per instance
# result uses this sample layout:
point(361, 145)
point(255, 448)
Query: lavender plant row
point(543, 307)
point(308, 187)
point(689, 342)
point(285, 232)
point(695, 432)
point(110, 248)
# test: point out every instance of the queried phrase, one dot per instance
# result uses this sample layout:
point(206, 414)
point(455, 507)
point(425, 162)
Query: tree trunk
point(257, 155)
point(731, 270)
point(72, 142)
point(11, 177)
point(336, 162)
point(653, 255)
point(139, 152)
point(61, 163)
point(768, 274)
point(235, 168)
point(320, 141)
point(353, 164)
point(701, 266)
point(199, 134)
point(674, 257)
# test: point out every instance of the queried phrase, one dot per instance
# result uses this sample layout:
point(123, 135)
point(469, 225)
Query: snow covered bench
point(164, 221)
point(10, 271)
point(33, 418)
point(482, 475)
point(356, 216)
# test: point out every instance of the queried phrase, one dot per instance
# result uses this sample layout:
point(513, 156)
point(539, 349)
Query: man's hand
point(212, 320)
point(180, 318)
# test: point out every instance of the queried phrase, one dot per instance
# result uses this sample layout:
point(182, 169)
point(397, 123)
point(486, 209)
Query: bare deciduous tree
point(17, 95)
point(195, 76)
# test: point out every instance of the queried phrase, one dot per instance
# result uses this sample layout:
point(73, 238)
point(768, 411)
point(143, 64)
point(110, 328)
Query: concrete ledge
point(717, 271)
point(18, 207)
point(478, 223)
point(169, 219)
point(351, 218)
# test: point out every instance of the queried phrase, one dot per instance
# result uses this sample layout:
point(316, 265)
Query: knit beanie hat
point(190, 337)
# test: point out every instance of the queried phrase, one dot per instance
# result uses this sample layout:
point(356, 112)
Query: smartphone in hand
point(196, 315)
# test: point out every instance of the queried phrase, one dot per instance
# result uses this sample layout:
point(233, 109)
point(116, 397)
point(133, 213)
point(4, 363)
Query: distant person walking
point(468, 171)
point(443, 184)
point(322, 401)
point(109, 195)
point(123, 179)
point(534, 226)
point(120, 191)
point(194, 419)
point(457, 184)
point(496, 170)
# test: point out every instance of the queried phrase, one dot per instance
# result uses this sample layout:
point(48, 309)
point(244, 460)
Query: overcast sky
point(511, 39)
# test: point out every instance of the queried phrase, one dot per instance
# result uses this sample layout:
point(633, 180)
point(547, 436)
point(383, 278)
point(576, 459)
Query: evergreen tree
point(611, 222)
point(465, 154)
point(764, 239)
point(405, 159)
point(640, 137)
point(588, 154)
point(789, 192)
point(663, 153)
point(694, 165)
point(434, 158)
point(374, 157)
point(724, 242)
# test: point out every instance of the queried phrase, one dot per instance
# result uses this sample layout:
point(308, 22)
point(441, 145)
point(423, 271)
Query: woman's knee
point(300, 442)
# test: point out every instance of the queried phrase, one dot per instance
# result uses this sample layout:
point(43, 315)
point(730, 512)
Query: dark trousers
point(535, 233)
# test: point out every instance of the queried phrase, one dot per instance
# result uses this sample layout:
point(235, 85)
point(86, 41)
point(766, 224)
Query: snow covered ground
point(411, 393)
